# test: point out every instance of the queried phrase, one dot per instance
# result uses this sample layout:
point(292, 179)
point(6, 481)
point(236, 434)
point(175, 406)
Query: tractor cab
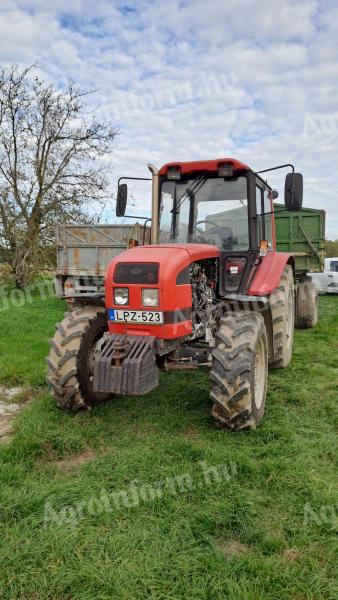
point(220, 202)
point(209, 206)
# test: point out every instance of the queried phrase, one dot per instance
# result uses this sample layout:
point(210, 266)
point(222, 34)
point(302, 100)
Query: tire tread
point(62, 360)
point(231, 373)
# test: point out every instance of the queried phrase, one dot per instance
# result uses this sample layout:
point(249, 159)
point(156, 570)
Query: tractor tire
point(71, 358)
point(239, 371)
point(306, 305)
point(282, 303)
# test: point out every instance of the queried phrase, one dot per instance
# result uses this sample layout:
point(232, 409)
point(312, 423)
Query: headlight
point(121, 295)
point(149, 297)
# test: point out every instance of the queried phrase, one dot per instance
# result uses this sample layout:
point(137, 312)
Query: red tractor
point(210, 290)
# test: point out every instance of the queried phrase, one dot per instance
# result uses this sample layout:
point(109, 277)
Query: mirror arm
point(275, 168)
point(134, 178)
point(291, 188)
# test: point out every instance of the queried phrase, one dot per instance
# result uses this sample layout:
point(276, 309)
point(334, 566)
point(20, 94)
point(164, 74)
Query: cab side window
point(268, 216)
point(264, 217)
point(260, 216)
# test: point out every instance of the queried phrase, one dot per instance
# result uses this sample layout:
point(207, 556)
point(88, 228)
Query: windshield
point(213, 212)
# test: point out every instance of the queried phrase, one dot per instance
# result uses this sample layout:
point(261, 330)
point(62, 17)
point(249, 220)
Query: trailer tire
point(71, 358)
point(239, 371)
point(282, 304)
point(306, 305)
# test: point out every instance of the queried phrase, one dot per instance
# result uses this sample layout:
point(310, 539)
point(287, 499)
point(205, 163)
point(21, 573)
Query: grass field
point(266, 528)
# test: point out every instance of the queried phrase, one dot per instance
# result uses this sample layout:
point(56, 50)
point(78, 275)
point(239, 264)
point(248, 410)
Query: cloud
point(184, 80)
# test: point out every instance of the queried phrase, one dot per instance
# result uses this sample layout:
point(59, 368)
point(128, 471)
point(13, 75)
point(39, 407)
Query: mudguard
point(268, 273)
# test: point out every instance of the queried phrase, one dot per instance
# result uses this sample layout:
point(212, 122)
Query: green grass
point(24, 333)
point(242, 539)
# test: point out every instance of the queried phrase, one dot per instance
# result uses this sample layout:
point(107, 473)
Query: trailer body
point(84, 252)
point(302, 233)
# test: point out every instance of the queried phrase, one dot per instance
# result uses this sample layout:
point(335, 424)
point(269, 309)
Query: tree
point(331, 248)
point(53, 163)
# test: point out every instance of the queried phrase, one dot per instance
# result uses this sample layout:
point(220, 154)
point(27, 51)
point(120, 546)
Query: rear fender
point(268, 273)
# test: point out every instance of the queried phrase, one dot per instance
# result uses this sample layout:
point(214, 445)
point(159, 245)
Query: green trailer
point(303, 234)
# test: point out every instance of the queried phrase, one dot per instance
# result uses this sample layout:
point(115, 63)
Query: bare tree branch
point(51, 165)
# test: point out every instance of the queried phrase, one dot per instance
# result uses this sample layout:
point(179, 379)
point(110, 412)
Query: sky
point(189, 79)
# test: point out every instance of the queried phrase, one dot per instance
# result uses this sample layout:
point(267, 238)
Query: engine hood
point(159, 252)
point(175, 298)
point(171, 258)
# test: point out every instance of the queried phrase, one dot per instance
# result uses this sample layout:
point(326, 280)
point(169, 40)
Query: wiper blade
point(190, 191)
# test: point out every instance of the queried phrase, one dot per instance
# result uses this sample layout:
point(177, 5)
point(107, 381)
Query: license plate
point(135, 316)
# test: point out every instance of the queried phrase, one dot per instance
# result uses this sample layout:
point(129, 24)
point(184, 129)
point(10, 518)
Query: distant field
point(246, 516)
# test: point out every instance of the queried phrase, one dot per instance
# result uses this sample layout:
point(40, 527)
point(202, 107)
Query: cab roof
point(211, 166)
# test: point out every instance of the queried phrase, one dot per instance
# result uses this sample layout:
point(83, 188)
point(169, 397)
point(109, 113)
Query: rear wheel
point(282, 303)
point(306, 305)
point(72, 357)
point(239, 371)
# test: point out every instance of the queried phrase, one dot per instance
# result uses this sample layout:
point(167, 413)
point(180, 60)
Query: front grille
point(136, 273)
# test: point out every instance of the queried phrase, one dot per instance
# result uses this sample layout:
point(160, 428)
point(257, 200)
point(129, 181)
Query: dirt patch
point(7, 394)
point(191, 432)
point(232, 548)
point(291, 554)
point(142, 431)
point(70, 462)
point(9, 409)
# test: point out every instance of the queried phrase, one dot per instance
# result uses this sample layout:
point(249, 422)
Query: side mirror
point(121, 202)
point(293, 192)
point(274, 194)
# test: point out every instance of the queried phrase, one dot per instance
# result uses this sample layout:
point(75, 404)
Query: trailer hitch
point(120, 349)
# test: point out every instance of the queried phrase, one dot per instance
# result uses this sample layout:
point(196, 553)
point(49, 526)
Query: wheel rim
point(90, 364)
point(260, 374)
point(87, 359)
point(92, 353)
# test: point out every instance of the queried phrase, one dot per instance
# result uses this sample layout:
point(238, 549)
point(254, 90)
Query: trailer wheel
point(71, 358)
point(239, 371)
point(282, 303)
point(306, 305)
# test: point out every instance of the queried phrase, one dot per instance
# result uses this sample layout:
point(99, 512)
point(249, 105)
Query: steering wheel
point(199, 230)
point(227, 243)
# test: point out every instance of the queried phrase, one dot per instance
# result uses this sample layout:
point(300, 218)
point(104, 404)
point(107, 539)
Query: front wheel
point(72, 357)
point(239, 371)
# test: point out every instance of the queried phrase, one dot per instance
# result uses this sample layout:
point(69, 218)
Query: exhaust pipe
point(155, 203)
